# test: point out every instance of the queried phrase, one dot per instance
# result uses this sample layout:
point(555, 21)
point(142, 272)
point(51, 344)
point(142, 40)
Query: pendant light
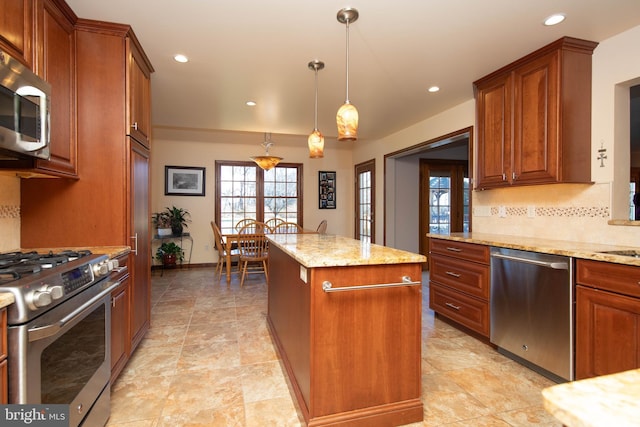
point(266, 162)
point(316, 139)
point(347, 117)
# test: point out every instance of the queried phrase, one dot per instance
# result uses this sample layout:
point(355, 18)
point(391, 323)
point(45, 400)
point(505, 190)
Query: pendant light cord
point(315, 123)
point(347, 97)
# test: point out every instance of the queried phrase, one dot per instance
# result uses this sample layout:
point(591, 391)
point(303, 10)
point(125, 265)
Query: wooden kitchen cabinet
point(54, 45)
point(607, 318)
point(109, 204)
point(120, 311)
point(139, 96)
point(534, 118)
point(459, 278)
point(4, 368)
point(17, 30)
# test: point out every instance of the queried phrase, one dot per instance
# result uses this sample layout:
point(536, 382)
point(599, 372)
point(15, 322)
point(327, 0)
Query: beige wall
point(194, 148)
point(9, 213)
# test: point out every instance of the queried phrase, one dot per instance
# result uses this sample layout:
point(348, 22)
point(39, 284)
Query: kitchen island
point(346, 318)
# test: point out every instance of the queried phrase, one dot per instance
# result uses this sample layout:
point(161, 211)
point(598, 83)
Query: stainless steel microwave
point(24, 111)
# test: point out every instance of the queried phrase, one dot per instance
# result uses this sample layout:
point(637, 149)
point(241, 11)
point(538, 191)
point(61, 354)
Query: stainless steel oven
point(59, 346)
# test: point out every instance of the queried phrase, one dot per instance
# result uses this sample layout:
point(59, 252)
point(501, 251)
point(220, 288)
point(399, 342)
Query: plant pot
point(177, 230)
point(164, 232)
point(169, 260)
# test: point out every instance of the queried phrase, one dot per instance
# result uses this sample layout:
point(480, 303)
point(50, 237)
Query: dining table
point(230, 238)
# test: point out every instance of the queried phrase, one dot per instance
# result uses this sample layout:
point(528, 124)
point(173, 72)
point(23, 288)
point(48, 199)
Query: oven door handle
point(41, 332)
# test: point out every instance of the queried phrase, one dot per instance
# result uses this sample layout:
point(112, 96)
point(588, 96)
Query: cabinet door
point(536, 120)
point(140, 226)
point(138, 75)
point(57, 66)
point(493, 103)
point(119, 328)
point(607, 333)
point(16, 30)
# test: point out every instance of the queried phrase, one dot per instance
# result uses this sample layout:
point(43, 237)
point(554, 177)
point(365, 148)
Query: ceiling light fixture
point(266, 162)
point(180, 58)
point(316, 139)
point(433, 89)
point(554, 19)
point(251, 103)
point(347, 117)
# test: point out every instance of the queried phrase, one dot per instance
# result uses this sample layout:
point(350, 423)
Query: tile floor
point(208, 360)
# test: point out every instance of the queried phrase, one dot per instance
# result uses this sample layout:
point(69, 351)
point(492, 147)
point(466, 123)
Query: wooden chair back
point(288, 228)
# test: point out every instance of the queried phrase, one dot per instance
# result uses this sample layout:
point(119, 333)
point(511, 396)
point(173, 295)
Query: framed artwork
point(183, 181)
point(327, 181)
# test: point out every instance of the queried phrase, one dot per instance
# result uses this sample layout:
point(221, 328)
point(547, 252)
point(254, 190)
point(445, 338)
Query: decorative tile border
point(569, 212)
point(9, 212)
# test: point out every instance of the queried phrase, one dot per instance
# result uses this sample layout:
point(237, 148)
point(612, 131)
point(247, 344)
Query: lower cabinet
point(459, 283)
point(120, 323)
point(4, 369)
point(607, 318)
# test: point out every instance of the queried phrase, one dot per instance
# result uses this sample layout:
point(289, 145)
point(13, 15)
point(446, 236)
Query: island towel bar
point(327, 286)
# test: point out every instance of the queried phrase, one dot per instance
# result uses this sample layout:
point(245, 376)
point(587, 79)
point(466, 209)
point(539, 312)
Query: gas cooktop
point(17, 265)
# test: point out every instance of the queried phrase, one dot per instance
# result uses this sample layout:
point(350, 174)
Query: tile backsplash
point(9, 213)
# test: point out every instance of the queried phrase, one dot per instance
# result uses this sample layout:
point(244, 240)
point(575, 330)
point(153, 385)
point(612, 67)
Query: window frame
point(259, 187)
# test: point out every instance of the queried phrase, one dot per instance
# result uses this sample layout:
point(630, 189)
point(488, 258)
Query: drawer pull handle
point(451, 273)
point(327, 286)
point(455, 307)
point(449, 248)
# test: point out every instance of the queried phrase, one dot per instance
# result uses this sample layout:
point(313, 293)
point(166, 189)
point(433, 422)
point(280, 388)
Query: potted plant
point(179, 218)
point(162, 222)
point(169, 253)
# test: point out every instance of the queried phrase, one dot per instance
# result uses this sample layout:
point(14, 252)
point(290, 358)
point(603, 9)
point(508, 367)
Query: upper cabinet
point(139, 94)
point(51, 22)
point(534, 118)
point(17, 30)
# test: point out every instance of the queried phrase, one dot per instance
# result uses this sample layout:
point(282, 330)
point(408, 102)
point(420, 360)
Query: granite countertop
point(558, 247)
point(608, 400)
point(6, 299)
point(327, 250)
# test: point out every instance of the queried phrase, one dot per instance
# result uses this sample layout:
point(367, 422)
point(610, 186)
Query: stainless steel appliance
point(60, 331)
point(532, 310)
point(24, 111)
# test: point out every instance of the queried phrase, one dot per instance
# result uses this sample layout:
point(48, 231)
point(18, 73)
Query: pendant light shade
point(316, 140)
point(266, 162)
point(347, 116)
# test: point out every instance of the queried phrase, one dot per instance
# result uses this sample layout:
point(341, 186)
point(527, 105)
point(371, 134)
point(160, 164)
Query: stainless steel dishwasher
point(532, 310)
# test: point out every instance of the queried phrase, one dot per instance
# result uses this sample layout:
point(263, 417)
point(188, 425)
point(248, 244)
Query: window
point(244, 191)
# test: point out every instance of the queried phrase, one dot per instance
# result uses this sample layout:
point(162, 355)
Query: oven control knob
point(101, 268)
point(40, 299)
point(56, 291)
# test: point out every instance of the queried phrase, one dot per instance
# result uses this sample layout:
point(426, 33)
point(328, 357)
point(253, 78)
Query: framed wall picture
point(327, 181)
point(183, 181)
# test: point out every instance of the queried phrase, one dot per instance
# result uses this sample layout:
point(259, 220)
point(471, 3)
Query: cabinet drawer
point(466, 310)
point(463, 250)
point(620, 278)
point(469, 277)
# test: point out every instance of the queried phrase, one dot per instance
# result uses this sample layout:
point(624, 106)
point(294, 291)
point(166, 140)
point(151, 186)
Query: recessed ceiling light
point(554, 19)
point(434, 89)
point(251, 103)
point(181, 58)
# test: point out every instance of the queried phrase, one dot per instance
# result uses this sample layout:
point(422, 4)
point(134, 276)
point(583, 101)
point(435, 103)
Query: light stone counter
point(609, 400)
point(327, 250)
point(112, 251)
point(549, 246)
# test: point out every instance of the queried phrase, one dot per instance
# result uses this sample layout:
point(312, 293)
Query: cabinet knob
point(134, 126)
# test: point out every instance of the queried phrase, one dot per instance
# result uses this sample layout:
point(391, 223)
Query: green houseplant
point(179, 218)
point(169, 253)
point(162, 222)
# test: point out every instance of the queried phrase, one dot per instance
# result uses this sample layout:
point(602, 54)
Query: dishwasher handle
point(558, 265)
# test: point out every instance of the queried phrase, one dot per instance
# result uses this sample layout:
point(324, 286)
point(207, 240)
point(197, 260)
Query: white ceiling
point(258, 50)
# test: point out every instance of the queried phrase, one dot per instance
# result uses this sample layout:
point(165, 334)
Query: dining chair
point(254, 252)
point(243, 222)
point(223, 257)
point(322, 227)
point(288, 228)
point(273, 222)
point(255, 227)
